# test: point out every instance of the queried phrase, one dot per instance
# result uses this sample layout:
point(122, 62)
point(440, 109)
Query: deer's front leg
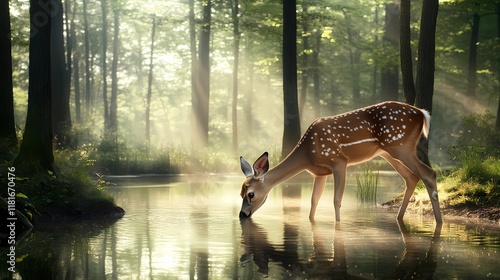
point(339, 173)
point(319, 186)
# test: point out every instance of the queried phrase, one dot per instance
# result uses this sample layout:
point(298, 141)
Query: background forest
point(188, 86)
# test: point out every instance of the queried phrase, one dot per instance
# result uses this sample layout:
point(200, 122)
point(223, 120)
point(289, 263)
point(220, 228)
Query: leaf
point(21, 258)
point(21, 195)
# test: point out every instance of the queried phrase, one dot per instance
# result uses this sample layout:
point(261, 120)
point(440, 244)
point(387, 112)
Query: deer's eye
point(251, 195)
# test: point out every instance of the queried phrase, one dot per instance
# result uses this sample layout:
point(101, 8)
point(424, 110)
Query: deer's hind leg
point(410, 178)
point(424, 172)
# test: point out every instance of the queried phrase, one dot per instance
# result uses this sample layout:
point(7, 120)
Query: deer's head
point(254, 191)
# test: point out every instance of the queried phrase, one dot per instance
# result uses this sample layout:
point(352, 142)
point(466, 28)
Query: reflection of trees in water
point(324, 263)
point(65, 251)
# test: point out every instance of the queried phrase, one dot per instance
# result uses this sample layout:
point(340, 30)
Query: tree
point(291, 132)
point(60, 78)
point(498, 68)
point(472, 65)
point(36, 152)
point(305, 60)
point(200, 102)
point(236, 54)
point(86, 32)
point(426, 65)
point(405, 52)
point(7, 124)
point(389, 75)
point(104, 72)
point(150, 81)
point(113, 108)
point(354, 58)
point(316, 72)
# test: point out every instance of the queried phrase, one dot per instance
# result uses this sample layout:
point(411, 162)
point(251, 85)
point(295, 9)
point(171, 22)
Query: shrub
point(477, 141)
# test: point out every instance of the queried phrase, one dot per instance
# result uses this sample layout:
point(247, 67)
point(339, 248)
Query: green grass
point(474, 185)
point(74, 193)
point(367, 185)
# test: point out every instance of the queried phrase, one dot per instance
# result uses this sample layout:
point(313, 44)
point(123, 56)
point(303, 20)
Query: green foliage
point(367, 184)
point(477, 181)
point(476, 184)
point(75, 192)
point(146, 159)
point(478, 140)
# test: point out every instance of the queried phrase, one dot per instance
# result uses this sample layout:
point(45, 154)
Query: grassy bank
point(74, 194)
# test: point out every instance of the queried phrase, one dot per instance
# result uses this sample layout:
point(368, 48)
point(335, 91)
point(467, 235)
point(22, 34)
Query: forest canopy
point(168, 78)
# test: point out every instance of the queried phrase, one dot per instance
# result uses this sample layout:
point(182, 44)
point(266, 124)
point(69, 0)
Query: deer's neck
point(293, 164)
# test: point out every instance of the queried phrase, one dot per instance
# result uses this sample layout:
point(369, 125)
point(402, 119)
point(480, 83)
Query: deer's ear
point(246, 167)
point(261, 165)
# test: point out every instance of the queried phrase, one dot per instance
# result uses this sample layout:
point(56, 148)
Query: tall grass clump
point(476, 182)
point(367, 184)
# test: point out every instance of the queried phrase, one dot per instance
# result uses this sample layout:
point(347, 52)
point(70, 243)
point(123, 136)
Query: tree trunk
point(104, 65)
point(316, 73)
point(389, 74)
point(203, 91)
point(405, 52)
point(291, 132)
point(425, 67)
point(305, 62)
point(375, 65)
point(7, 122)
point(76, 70)
point(86, 32)
point(60, 78)
point(150, 81)
point(472, 66)
point(249, 90)
point(236, 54)
point(194, 76)
point(113, 104)
point(354, 58)
point(35, 153)
point(498, 68)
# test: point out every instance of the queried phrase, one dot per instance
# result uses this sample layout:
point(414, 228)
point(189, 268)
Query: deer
point(390, 130)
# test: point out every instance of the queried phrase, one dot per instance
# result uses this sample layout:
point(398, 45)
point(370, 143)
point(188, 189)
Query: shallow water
point(188, 228)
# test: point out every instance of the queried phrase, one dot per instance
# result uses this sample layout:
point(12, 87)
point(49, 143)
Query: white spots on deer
point(381, 125)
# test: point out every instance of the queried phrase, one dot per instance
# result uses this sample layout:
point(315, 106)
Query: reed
point(367, 185)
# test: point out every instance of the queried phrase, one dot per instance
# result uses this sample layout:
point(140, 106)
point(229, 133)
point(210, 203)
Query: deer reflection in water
point(325, 264)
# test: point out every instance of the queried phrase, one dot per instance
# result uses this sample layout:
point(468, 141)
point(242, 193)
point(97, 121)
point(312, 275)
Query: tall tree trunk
point(76, 70)
point(104, 65)
point(36, 153)
point(305, 61)
point(389, 74)
point(86, 35)
point(150, 81)
point(498, 68)
point(375, 65)
point(472, 66)
point(7, 122)
point(291, 132)
point(354, 57)
point(60, 78)
point(425, 67)
point(195, 124)
point(249, 89)
point(113, 104)
point(203, 92)
point(236, 54)
point(405, 52)
point(316, 73)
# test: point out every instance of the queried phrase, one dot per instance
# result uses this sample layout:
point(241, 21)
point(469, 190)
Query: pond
point(187, 227)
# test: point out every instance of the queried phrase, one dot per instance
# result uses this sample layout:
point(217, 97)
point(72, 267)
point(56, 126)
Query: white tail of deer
point(390, 130)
